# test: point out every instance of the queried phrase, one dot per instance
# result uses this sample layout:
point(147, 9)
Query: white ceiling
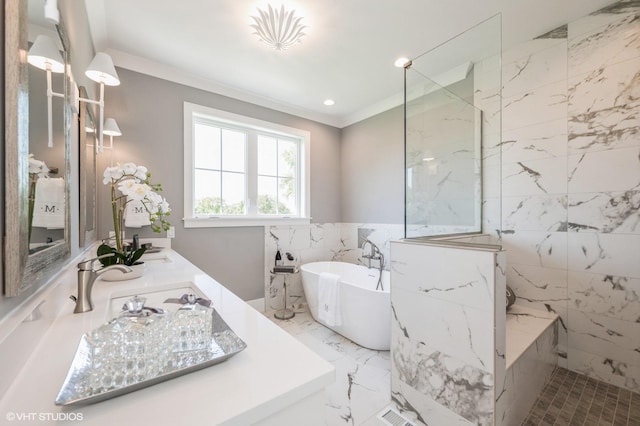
point(347, 54)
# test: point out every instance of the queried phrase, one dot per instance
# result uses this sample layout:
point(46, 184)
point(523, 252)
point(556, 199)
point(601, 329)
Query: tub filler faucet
point(374, 254)
point(86, 277)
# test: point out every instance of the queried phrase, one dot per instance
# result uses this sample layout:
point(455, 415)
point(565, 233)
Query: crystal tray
point(76, 389)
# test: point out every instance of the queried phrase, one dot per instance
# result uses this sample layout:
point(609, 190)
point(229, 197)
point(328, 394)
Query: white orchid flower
point(37, 166)
point(127, 186)
point(138, 191)
point(111, 174)
point(164, 206)
point(129, 169)
point(141, 173)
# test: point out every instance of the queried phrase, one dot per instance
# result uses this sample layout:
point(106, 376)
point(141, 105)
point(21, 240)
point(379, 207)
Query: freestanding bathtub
point(366, 312)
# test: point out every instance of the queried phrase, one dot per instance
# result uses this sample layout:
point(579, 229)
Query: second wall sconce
point(111, 129)
point(102, 71)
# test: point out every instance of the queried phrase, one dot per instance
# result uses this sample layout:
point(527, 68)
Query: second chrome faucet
point(87, 275)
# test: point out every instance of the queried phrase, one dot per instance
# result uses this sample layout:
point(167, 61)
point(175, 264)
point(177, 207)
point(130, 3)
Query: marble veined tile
point(523, 320)
point(458, 331)
point(525, 386)
point(538, 69)
point(491, 177)
point(607, 254)
point(363, 377)
point(529, 48)
point(535, 177)
point(604, 171)
point(358, 393)
point(615, 212)
point(463, 389)
point(535, 213)
point(461, 276)
point(536, 248)
point(603, 17)
point(491, 215)
point(536, 284)
point(606, 368)
point(535, 142)
point(608, 295)
point(539, 105)
point(604, 336)
point(603, 108)
point(413, 405)
point(593, 46)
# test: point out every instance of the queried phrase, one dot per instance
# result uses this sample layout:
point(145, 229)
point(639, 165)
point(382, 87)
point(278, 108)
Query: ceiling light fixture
point(329, 102)
point(278, 29)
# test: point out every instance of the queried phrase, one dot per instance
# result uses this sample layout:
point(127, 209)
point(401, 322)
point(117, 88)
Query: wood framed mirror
point(29, 262)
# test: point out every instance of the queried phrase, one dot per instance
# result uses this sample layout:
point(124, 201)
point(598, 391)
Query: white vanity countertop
point(273, 372)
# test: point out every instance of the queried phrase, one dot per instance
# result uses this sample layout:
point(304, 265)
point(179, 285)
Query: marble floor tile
point(363, 376)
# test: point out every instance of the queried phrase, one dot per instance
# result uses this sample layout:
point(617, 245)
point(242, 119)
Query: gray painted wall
point(372, 165)
point(149, 112)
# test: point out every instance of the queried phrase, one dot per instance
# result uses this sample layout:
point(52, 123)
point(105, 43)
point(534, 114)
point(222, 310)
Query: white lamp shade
point(111, 128)
point(44, 54)
point(101, 70)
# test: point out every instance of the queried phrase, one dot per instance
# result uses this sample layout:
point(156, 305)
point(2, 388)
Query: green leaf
point(105, 249)
point(134, 256)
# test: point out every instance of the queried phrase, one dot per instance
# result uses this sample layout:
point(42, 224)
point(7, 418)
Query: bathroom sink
point(155, 297)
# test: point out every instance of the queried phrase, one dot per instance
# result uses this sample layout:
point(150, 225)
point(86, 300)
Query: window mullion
point(252, 173)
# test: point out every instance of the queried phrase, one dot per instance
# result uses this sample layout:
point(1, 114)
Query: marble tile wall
point(319, 242)
point(571, 186)
point(521, 387)
point(446, 346)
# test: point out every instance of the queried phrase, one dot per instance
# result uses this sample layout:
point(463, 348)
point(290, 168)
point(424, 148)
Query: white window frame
point(192, 111)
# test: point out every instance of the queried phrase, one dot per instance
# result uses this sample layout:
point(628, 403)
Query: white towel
point(136, 215)
point(329, 299)
point(48, 208)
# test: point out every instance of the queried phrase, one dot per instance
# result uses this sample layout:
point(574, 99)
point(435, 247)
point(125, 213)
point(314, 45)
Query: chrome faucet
point(374, 254)
point(86, 277)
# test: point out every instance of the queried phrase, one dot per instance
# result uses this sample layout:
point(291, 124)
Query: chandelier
point(278, 29)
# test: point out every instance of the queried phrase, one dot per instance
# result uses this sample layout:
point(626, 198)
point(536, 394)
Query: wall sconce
point(111, 129)
point(45, 55)
point(102, 71)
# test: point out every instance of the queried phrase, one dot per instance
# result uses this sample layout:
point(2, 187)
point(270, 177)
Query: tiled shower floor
point(363, 382)
point(572, 399)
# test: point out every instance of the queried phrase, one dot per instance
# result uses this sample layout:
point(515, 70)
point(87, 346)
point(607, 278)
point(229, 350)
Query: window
point(240, 171)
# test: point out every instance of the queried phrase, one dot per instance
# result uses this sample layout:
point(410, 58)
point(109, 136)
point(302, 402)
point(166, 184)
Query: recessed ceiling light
point(329, 102)
point(428, 159)
point(401, 62)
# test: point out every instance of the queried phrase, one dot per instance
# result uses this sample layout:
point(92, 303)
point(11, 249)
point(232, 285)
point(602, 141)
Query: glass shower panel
point(453, 135)
point(442, 159)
